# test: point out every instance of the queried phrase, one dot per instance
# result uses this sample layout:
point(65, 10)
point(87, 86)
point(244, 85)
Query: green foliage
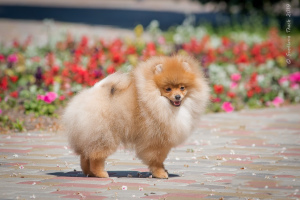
point(39, 108)
point(18, 125)
point(10, 124)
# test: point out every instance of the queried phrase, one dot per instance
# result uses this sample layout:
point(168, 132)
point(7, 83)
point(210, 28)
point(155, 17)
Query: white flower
point(215, 41)
point(124, 187)
point(260, 78)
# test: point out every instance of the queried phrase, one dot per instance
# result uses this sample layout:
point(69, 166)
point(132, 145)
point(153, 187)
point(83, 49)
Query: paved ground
point(186, 6)
point(242, 155)
point(43, 31)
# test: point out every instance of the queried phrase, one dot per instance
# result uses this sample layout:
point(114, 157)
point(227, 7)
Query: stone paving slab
point(252, 154)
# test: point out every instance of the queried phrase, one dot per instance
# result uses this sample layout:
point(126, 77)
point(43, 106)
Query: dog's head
point(174, 78)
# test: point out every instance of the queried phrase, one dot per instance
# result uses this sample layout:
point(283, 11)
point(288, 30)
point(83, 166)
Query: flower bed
point(244, 70)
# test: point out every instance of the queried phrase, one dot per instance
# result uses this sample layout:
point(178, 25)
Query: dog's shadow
point(117, 174)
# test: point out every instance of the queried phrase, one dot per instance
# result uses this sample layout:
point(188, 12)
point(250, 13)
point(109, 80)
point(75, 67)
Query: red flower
point(210, 56)
point(62, 97)
point(4, 83)
point(253, 78)
point(250, 93)
point(150, 49)
point(14, 78)
point(84, 41)
point(65, 73)
point(111, 69)
point(242, 59)
point(49, 80)
point(225, 41)
point(55, 69)
point(259, 59)
point(218, 89)
point(14, 94)
point(257, 89)
point(92, 82)
point(117, 58)
point(231, 94)
point(2, 58)
point(256, 50)
point(151, 46)
point(131, 50)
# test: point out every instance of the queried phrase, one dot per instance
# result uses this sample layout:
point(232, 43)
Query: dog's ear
point(186, 66)
point(158, 69)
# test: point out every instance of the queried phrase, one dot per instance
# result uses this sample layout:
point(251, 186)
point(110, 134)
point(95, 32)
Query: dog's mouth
point(175, 103)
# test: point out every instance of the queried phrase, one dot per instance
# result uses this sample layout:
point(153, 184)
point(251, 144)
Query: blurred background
point(19, 18)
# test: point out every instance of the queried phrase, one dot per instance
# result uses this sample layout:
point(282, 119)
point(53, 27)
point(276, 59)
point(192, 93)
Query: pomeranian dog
point(151, 109)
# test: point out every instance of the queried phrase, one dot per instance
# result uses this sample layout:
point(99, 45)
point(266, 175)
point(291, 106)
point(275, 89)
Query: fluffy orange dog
point(151, 109)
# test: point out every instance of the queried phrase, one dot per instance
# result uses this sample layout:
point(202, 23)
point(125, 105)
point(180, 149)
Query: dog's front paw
point(102, 174)
point(160, 173)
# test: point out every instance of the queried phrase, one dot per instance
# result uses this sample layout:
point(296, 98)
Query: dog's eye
point(168, 89)
point(182, 88)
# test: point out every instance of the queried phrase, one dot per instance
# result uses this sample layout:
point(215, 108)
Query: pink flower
point(295, 77)
point(161, 40)
point(295, 86)
point(227, 107)
point(283, 79)
point(40, 97)
point(12, 58)
point(233, 85)
point(216, 100)
point(235, 77)
point(48, 98)
point(277, 101)
point(62, 97)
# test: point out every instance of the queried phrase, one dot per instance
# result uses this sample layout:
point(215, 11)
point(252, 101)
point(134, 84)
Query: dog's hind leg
point(85, 166)
point(97, 161)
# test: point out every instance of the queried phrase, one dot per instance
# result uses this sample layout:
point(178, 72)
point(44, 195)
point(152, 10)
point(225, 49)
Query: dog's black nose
point(177, 97)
